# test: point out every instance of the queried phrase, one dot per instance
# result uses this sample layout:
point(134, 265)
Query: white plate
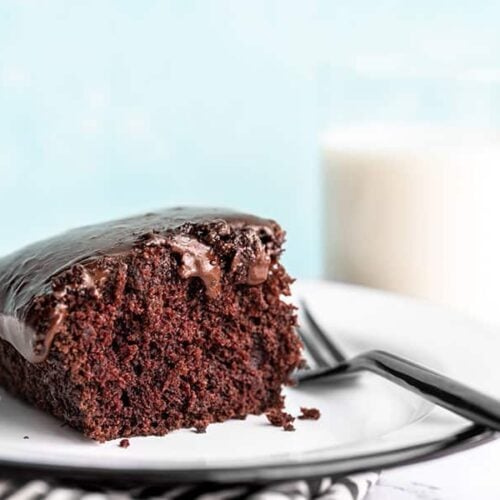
point(366, 422)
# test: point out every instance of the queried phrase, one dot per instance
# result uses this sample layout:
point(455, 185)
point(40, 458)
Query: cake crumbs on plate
point(124, 443)
point(309, 413)
point(26, 437)
point(280, 418)
point(200, 429)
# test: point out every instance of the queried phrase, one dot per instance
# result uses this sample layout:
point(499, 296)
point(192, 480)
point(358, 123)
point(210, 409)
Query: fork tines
point(318, 344)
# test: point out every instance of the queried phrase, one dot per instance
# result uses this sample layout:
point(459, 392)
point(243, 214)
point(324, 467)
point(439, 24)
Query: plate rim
point(471, 436)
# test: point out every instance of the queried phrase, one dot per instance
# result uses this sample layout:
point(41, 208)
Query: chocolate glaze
point(198, 261)
point(258, 271)
point(30, 272)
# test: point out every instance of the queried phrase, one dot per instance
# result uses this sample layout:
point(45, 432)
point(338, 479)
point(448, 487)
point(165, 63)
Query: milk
point(415, 211)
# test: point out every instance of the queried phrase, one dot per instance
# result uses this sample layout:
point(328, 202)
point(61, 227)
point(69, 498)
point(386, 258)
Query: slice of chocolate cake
point(149, 324)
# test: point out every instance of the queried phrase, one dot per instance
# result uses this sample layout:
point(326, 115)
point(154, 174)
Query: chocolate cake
point(144, 325)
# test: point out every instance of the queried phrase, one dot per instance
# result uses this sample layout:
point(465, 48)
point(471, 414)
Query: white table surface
point(470, 475)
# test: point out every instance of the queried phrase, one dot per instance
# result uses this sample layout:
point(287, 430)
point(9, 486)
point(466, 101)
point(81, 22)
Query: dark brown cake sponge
point(309, 413)
point(148, 324)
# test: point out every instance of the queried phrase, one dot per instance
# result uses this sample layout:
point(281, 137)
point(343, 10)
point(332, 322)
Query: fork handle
point(439, 389)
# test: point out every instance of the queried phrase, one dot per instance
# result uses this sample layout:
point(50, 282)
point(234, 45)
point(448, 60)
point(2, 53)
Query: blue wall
point(109, 108)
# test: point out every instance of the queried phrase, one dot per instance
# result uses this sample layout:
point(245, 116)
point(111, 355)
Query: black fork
point(432, 386)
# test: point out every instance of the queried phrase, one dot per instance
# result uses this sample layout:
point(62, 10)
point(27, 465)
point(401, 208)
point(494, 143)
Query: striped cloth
point(353, 487)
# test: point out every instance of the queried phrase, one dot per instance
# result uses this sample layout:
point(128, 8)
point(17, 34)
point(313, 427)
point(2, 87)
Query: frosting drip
point(259, 269)
point(197, 261)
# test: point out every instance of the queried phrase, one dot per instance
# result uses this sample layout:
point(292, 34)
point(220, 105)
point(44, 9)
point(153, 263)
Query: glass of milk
point(415, 210)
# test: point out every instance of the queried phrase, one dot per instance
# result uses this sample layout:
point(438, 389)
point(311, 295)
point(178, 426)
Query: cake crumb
point(309, 413)
point(280, 418)
point(303, 365)
point(200, 429)
point(124, 443)
point(26, 437)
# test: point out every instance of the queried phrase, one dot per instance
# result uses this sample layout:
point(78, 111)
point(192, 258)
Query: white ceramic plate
point(366, 423)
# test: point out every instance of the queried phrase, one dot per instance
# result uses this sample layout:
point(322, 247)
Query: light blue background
point(109, 108)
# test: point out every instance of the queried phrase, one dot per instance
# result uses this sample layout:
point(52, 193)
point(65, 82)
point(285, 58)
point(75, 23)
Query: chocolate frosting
point(198, 261)
point(30, 272)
